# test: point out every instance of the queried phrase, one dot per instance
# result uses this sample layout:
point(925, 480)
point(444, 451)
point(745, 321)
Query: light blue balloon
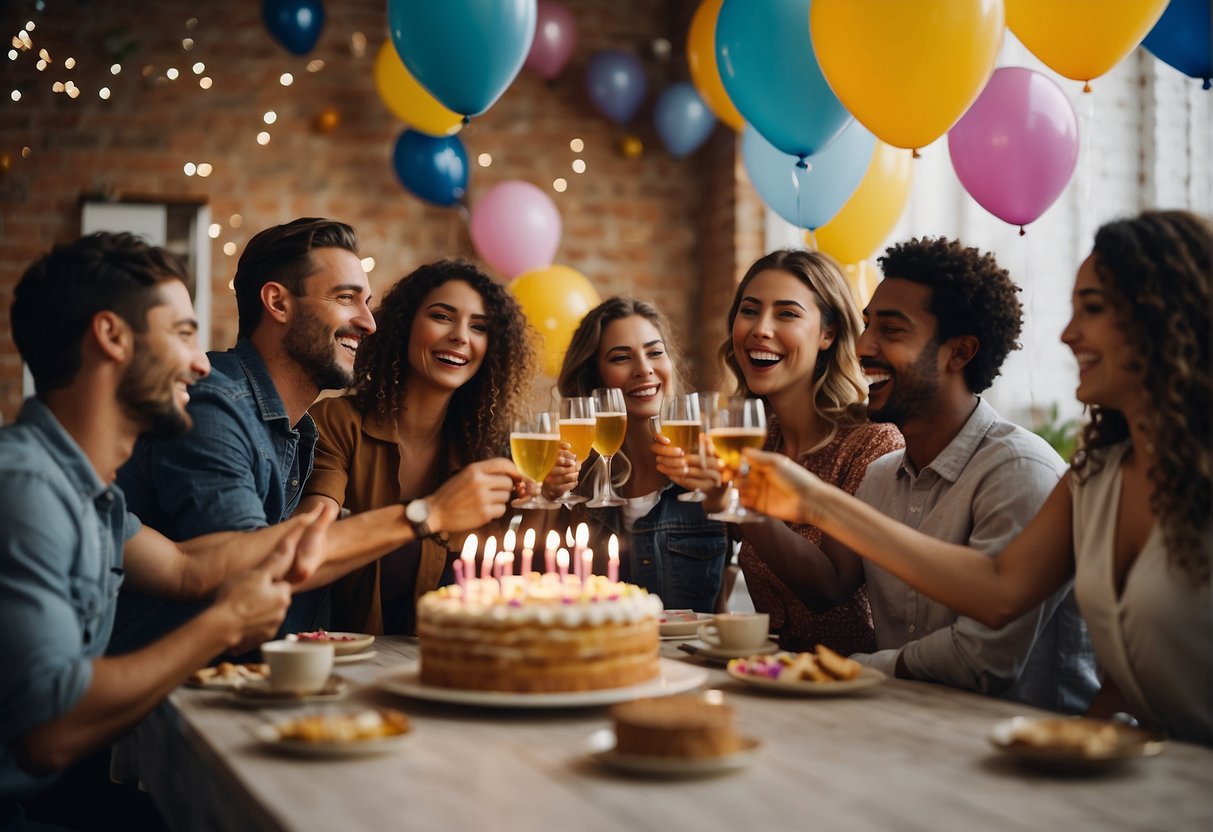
point(770, 71)
point(682, 120)
point(616, 83)
point(464, 52)
point(808, 198)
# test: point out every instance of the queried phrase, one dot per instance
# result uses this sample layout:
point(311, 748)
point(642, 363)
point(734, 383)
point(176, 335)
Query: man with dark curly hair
point(939, 326)
point(303, 300)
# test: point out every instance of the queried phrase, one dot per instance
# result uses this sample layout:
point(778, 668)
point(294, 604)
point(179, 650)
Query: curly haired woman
point(1130, 521)
point(793, 328)
point(437, 386)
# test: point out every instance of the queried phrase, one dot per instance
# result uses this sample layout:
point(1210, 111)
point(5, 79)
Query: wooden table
point(901, 755)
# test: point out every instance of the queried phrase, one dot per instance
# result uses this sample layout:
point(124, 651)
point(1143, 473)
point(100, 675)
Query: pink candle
point(467, 560)
point(505, 566)
point(549, 551)
point(528, 551)
point(613, 559)
point(486, 565)
point(579, 541)
point(458, 567)
point(562, 562)
point(507, 545)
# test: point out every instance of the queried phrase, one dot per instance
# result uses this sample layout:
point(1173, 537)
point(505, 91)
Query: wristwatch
point(417, 512)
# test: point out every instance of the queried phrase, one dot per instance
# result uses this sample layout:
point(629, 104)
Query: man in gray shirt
point(938, 329)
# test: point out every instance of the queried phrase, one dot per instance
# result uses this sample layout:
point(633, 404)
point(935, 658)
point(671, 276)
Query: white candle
point(490, 551)
point(613, 559)
point(467, 557)
point(587, 564)
point(579, 542)
point(562, 562)
point(528, 551)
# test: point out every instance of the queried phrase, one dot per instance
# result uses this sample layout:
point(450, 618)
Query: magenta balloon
point(515, 227)
point(555, 39)
point(1016, 147)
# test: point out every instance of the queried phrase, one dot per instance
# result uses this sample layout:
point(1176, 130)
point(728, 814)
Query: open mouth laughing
point(645, 392)
point(449, 358)
point(762, 359)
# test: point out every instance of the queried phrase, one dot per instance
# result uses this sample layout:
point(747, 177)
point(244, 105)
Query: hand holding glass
point(535, 444)
point(577, 428)
point(738, 424)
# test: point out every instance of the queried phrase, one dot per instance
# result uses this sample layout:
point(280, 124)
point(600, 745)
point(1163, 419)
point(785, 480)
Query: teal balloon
point(682, 120)
point(464, 52)
point(434, 168)
point(766, 61)
point(808, 197)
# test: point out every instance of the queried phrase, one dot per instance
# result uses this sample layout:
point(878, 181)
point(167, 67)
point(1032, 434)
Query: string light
point(12, 54)
point(70, 63)
point(190, 168)
point(104, 93)
point(229, 249)
point(57, 86)
point(235, 220)
point(315, 65)
point(16, 95)
point(29, 25)
point(576, 145)
point(25, 151)
point(270, 117)
point(286, 79)
point(199, 68)
point(215, 230)
point(41, 65)
point(485, 159)
point(205, 82)
point(560, 185)
point(187, 44)
point(263, 138)
point(115, 69)
point(579, 166)
point(171, 73)
point(204, 169)
point(368, 264)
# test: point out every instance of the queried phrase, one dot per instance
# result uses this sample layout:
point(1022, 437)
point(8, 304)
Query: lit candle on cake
point(562, 562)
point(587, 564)
point(505, 569)
point(507, 547)
point(486, 565)
point(549, 551)
point(528, 551)
point(613, 559)
point(582, 538)
point(465, 567)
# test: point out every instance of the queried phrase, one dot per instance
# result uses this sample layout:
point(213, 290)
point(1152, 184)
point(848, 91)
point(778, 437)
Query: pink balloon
point(515, 227)
point(555, 38)
point(1016, 147)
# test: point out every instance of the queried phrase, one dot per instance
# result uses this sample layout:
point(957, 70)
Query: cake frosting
point(538, 634)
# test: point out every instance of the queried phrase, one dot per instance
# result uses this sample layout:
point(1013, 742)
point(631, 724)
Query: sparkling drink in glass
point(535, 444)
point(737, 424)
point(610, 428)
point(577, 427)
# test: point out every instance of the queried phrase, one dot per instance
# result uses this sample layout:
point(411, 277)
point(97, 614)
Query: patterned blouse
point(846, 627)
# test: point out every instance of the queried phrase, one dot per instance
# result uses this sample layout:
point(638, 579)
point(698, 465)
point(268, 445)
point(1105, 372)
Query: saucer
point(261, 695)
point(682, 623)
point(724, 654)
point(351, 658)
point(602, 750)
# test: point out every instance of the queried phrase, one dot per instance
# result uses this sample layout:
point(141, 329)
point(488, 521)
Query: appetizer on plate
point(823, 665)
point(345, 727)
point(228, 675)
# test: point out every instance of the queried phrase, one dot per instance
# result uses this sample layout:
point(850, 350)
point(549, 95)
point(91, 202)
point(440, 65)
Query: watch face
point(417, 511)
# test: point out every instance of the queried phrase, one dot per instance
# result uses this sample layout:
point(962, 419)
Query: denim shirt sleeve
point(45, 667)
point(204, 480)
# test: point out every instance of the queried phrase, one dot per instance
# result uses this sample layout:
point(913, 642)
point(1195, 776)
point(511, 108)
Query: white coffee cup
point(736, 630)
point(298, 666)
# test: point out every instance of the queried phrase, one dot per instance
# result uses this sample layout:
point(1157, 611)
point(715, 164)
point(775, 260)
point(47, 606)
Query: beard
point(309, 343)
point(915, 389)
point(147, 392)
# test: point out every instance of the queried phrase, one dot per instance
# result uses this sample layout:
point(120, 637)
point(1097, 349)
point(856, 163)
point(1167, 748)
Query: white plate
point(719, 653)
point(683, 629)
point(343, 643)
point(867, 677)
point(259, 695)
point(1131, 743)
point(602, 750)
point(351, 658)
point(268, 735)
point(674, 677)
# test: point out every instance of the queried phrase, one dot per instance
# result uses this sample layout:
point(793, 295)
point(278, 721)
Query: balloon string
point(800, 166)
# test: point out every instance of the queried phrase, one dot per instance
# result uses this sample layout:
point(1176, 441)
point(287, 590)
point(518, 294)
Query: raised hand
point(477, 494)
point(564, 475)
point(778, 487)
point(312, 546)
point(258, 600)
point(684, 468)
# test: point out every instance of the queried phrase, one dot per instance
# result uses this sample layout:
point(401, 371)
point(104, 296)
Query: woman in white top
point(1131, 519)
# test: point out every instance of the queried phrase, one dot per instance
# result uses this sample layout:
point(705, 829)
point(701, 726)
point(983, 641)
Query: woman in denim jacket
point(667, 546)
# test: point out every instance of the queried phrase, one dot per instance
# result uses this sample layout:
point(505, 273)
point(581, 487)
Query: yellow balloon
point(870, 214)
point(408, 100)
point(1082, 39)
point(862, 277)
point(907, 71)
point(701, 56)
point(554, 299)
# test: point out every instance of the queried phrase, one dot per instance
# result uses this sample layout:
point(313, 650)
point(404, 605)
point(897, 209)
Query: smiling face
point(154, 389)
point(632, 357)
point(777, 333)
point(1105, 374)
point(899, 352)
point(331, 318)
point(449, 337)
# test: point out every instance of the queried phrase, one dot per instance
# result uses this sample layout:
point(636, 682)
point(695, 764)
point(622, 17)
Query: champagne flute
point(610, 428)
point(681, 425)
point(535, 444)
point(577, 428)
point(738, 424)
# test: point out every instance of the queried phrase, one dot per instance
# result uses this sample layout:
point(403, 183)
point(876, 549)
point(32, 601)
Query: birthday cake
point(538, 634)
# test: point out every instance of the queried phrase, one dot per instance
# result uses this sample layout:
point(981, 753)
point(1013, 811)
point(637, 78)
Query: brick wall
point(676, 232)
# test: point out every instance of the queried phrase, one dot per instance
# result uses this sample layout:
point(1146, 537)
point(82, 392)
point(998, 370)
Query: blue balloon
point(295, 23)
point(464, 52)
point(434, 168)
point(1182, 38)
point(616, 83)
point(682, 120)
point(770, 71)
point(808, 198)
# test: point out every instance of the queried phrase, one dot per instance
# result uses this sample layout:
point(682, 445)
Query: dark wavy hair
point(970, 295)
point(481, 411)
point(1155, 274)
point(57, 298)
